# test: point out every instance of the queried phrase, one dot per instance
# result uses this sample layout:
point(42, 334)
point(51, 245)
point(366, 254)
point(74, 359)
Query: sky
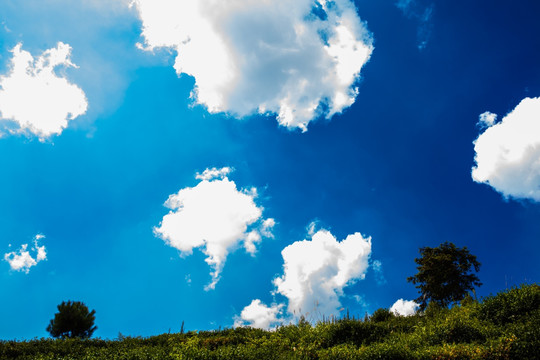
point(244, 163)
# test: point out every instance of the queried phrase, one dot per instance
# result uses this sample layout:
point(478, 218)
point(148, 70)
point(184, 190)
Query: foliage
point(73, 320)
point(381, 315)
point(511, 305)
point(444, 274)
point(501, 327)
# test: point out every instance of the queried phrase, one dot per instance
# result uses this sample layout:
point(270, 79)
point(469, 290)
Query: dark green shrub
point(340, 352)
point(381, 315)
point(456, 325)
point(511, 305)
point(353, 332)
point(526, 345)
point(386, 351)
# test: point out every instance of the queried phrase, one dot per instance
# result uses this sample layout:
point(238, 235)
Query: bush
point(354, 332)
point(452, 326)
point(381, 315)
point(511, 305)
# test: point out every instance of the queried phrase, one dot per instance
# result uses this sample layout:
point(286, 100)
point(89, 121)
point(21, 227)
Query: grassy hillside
point(504, 326)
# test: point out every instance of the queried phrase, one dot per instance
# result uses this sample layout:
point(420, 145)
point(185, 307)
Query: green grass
point(503, 326)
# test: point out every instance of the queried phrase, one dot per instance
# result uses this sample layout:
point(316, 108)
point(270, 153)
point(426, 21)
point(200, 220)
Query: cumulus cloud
point(22, 260)
point(34, 98)
point(258, 315)
point(297, 59)
point(404, 307)
point(216, 217)
point(316, 271)
point(508, 152)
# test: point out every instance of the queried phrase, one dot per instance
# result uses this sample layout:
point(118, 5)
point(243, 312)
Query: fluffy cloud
point(258, 315)
point(216, 217)
point(315, 272)
point(404, 307)
point(508, 152)
point(22, 260)
point(34, 98)
point(290, 58)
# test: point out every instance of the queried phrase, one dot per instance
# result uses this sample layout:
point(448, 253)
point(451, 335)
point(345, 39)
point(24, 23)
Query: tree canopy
point(444, 274)
point(73, 320)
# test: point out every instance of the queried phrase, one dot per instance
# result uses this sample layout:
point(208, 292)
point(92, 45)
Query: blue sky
point(241, 164)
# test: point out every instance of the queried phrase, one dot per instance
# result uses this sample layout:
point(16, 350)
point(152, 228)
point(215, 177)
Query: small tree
point(72, 320)
point(444, 274)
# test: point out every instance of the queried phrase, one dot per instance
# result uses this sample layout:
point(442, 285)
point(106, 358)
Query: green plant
point(73, 320)
point(511, 305)
point(444, 274)
point(381, 315)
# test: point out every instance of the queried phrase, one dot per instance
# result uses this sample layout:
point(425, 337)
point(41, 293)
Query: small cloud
point(404, 307)
point(312, 227)
point(422, 14)
point(487, 119)
point(23, 260)
point(216, 217)
point(34, 99)
point(258, 315)
point(377, 267)
point(6, 29)
point(508, 152)
point(214, 173)
point(299, 60)
point(405, 5)
point(361, 300)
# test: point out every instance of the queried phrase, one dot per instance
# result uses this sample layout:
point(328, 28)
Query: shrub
point(353, 332)
point(511, 305)
point(381, 315)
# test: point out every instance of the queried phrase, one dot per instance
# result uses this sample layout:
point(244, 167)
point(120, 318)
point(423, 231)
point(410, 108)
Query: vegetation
point(444, 274)
point(503, 326)
point(73, 320)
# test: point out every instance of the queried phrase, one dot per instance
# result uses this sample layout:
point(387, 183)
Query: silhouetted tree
point(444, 274)
point(72, 320)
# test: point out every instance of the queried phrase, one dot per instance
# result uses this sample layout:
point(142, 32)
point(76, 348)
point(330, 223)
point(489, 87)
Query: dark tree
point(444, 274)
point(73, 320)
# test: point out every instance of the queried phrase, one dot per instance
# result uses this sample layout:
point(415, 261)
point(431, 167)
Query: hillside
point(503, 326)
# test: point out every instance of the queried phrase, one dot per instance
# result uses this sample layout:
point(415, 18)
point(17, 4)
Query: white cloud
point(316, 271)
point(35, 98)
point(22, 260)
point(216, 217)
point(487, 119)
point(271, 56)
point(258, 315)
point(214, 173)
point(508, 153)
point(404, 307)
